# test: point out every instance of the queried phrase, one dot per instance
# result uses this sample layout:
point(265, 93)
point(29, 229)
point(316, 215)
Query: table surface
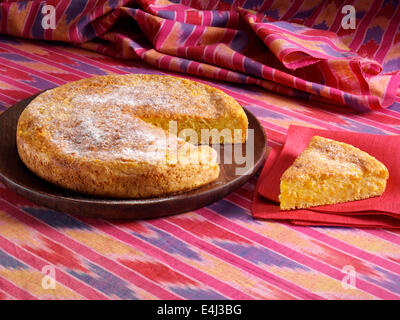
point(217, 252)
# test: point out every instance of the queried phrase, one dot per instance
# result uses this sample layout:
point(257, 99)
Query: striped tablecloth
point(217, 252)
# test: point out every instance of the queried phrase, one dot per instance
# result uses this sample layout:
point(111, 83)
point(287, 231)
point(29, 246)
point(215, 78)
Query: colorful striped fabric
point(297, 48)
point(219, 251)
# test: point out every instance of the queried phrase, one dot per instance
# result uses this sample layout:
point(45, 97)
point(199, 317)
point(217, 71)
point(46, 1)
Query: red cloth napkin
point(383, 211)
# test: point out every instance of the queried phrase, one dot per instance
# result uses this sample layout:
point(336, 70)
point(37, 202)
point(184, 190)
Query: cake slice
point(329, 172)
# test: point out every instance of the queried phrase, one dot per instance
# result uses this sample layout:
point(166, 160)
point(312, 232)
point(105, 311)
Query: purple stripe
point(238, 262)
point(297, 256)
point(86, 252)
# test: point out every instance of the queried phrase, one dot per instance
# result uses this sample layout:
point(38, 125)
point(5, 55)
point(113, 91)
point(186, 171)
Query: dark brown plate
point(21, 180)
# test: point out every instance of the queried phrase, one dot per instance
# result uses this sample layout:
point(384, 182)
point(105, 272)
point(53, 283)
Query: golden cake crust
point(106, 135)
point(329, 172)
point(333, 158)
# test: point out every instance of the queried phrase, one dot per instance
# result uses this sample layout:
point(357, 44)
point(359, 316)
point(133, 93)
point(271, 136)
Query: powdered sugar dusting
point(111, 134)
point(149, 98)
point(101, 119)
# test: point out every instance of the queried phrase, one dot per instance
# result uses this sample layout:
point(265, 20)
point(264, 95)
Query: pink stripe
point(321, 39)
point(206, 18)
point(354, 67)
point(86, 252)
point(266, 5)
point(33, 12)
point(329, 75)
point(388, 37)
point(100, 28)
point(339, 16)
point(15, 291)
point(376, 124)
point(390, 113)
point(72, 32)
point(379, 117)
point(7, 99)
point(165, 30)
point(390, 237)
point(292, 10)
point(371, 258)
point(5, 7)
point(38, 263)
point(62, 67)
point(234, 260)
point(240, 201)
point(312, 54)
point(11, 64)
point(75, 35)
point(102, 9)
point(243, 197)
point(208, 55)
point(223, 74)
point(180, 16)
point(309, 22)
point(5, 296)
point(182, 267)
point(365, 23)
point(192, 38)
point(272, 126)
point(391, 89)
point(272, 135)
point(82, 58)
point(185, 44)
point(294, 255)
point(20, 85)
point(164, 61)
point(215, 5)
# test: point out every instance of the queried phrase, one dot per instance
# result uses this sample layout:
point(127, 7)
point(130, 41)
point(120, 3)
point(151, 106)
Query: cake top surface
point(109, 117)
point(145, 96)
point(325, 157)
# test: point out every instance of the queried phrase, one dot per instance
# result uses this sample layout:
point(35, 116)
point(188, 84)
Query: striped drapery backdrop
point(271, 56)
point(296, 48)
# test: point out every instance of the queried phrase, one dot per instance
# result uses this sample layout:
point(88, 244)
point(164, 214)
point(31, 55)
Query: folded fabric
point(383, 211)
point(281, 47)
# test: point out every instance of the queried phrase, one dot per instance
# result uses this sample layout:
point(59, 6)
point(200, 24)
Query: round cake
point(111, 135)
